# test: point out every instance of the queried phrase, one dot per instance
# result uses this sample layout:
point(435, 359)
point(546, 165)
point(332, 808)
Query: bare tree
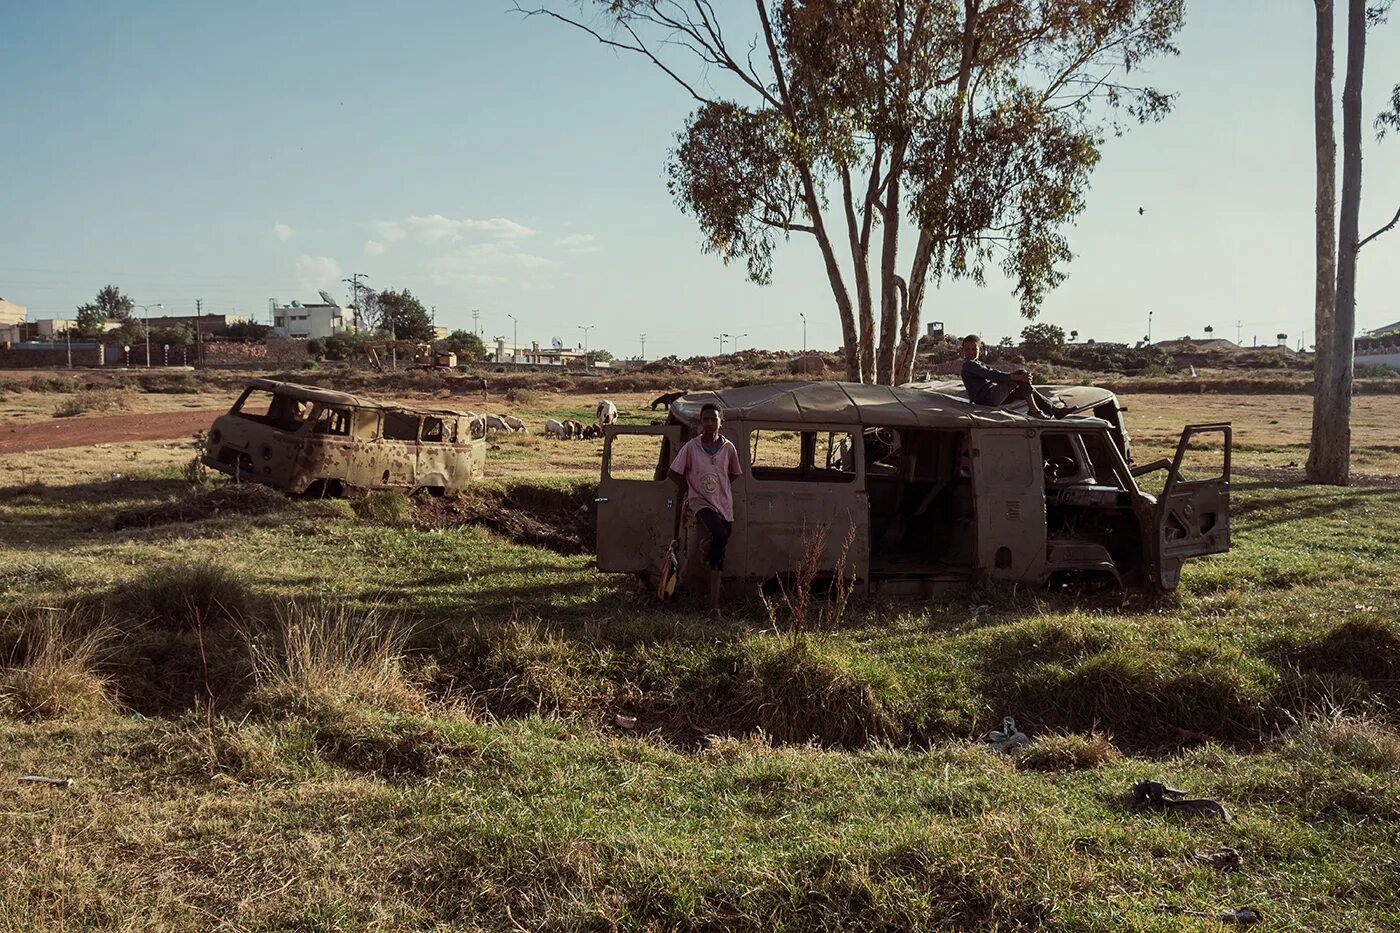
point(979, 120)
point(1329, 456)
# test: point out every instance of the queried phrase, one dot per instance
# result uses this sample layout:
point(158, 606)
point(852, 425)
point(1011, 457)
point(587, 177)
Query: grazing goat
point(607, 412)
point(559, 429)
point(514, 423)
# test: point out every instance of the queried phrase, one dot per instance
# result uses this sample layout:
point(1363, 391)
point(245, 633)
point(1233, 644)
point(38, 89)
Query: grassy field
point(323, 715)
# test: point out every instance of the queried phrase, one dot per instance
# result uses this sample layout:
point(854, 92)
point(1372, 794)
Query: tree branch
point(639, 48)
point(1393, 221)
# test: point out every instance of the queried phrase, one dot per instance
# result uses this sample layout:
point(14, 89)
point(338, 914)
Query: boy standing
point(705, 468)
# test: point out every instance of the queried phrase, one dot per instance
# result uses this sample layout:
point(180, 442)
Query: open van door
point(636, 510)
point(1193, 511)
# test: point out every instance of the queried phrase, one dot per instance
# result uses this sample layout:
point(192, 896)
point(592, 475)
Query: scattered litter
point(40, 779)
point(624, 721)
point(564, 736)
point(1219, 859)
point(116, 476)
point(1158, 796)
point(1241, 916)
point(1008, 739)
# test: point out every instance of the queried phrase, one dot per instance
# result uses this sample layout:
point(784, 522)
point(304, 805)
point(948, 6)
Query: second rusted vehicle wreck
point(928, 489)
point(311, 441)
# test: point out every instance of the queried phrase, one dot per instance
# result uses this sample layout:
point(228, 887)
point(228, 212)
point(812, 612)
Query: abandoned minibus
point(311, 441)
point(921, 490)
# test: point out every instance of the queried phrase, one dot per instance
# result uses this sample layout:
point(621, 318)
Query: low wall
point(50, 358)
point(1391, 359)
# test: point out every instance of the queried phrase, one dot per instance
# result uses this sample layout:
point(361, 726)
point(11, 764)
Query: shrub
point(323, 658)
point(58, 676)
point(1376, 371)
point(524, 396)
point(54, 384)
point(188, 595)
point(1069, 752)
point(89, 400)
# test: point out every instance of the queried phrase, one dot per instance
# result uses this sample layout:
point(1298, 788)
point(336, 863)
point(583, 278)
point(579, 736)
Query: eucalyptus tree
point(914, 140)
point(1338, 236)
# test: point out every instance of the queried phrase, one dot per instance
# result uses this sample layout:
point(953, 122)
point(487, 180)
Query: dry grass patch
point(57, 676)
point(92, 400)
point(220, 500)
point(326, 658)
point(1069, 752)
point(1361, 741)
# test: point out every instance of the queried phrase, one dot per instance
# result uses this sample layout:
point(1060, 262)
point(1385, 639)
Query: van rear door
point(636, 502)
point(1193, 511)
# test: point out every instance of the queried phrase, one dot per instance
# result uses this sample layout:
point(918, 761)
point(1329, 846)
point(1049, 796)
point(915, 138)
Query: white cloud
point(435, 228)
point(282, 232)
point(374, 248)
point(315, 272)
point(576, 241)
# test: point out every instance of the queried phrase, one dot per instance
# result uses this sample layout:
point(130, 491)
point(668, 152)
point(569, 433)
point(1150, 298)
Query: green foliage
point(1042, 341)
point(247, 330)
point(1376, 371)
point(466, 345)
point(858, 105)
point(404, 316)
point(109, 305)
point(177, 335)
point(340, 347)
point(601, 355)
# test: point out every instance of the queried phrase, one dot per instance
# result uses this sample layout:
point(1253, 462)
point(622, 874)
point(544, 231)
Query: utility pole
point(198, 331)
point(476, 322)
point(68, 333)
point(804, 330)
point(720, 338)
point(1149, 328)
point(515, 341)
point(1238, 325)
point(644, 348)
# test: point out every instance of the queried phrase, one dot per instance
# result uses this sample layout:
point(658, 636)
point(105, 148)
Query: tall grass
point(56, 676)
point(319, 658)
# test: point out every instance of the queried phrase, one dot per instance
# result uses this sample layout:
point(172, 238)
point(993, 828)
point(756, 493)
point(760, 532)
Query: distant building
point(11, 313)
point(1213, 343)
point(317, 321)
point(536, 355)
point(208, 325)
point(1385, 329)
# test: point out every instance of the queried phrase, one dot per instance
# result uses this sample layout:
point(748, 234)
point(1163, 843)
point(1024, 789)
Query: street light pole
point(586, 328)
point(644, 348)
point(515, 340)
point(804, 330)
point(146, 318)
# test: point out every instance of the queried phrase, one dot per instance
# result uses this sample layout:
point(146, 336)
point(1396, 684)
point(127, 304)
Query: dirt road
point(80, 432)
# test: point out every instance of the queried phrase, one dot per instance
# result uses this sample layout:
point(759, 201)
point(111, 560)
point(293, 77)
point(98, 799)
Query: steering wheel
point(1057, 467)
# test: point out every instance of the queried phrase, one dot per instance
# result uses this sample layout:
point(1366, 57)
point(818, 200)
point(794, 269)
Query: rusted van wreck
point(312, 441)
point(931, 491)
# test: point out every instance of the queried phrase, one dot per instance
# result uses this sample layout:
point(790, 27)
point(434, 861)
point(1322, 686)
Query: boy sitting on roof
point(988, 386)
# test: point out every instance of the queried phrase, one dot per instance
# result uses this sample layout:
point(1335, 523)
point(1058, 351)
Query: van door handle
point(601, 499)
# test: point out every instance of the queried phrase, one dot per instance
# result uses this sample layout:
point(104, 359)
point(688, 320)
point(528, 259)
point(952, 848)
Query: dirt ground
point(105, 429)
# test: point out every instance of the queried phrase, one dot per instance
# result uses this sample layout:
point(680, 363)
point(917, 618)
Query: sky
point(237, 153)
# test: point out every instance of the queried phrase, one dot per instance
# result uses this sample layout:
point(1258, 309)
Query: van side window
point(400, 426)
point(433, 429)
point(806, 456)
point(334, 421)
point(775, 455)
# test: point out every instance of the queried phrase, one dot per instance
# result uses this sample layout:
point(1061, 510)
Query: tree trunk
point(889, 255)
point(850, 342)
point(1325, 290)
point(913, 309)
point(1335, 459)
point(860, 261)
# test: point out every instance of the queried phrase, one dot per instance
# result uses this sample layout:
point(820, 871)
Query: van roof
point(1076, 397)
point(332, 397)
point(844, 403)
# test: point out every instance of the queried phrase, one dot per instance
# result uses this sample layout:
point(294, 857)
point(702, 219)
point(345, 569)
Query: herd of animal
point(567, 428)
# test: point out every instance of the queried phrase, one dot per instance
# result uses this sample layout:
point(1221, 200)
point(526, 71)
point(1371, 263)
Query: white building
point(313, 321)
point(11, 313)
